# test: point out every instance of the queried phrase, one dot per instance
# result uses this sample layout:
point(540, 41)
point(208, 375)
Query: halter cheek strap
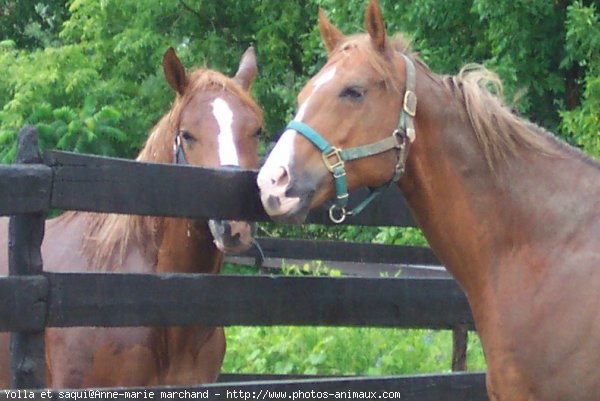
point(335, 158)
point(178, 154)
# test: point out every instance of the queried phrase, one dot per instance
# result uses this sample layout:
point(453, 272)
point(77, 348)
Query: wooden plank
point(94, 183)
point(24, 188)
point(179, 299)
point(25, 235)
point(101, 184)
point(342, 251)
point(442, 387)
point(23, 303)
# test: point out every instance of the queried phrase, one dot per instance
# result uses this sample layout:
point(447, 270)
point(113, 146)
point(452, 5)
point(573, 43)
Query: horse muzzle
point(282, 199)
point(231, 236)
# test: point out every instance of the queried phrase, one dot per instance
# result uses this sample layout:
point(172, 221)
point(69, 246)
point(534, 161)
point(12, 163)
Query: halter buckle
point(400, 136)
point(410, 103)
point(335, 152)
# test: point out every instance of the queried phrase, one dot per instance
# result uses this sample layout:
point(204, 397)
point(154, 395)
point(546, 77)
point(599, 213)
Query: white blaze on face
point(322, 80)
point(272, 179)
point(228, 155)
point(284, 149)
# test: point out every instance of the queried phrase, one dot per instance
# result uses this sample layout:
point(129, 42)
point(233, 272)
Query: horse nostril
point(280, 177)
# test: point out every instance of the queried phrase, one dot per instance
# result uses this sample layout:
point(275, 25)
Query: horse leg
point(210, 356)
point(195, 355)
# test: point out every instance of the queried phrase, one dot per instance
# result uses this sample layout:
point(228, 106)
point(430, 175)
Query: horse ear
point(329, 33)
point(375, 26)
point(247, 70)
point(174, 71)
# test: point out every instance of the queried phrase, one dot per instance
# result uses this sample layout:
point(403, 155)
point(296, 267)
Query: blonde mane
point(108, 237)
point(500, 132)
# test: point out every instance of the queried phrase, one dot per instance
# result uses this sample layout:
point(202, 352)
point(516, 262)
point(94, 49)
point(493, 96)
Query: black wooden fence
point(31, 299)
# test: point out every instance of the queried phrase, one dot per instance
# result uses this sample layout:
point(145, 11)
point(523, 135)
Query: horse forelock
point(381, 63)
point(159, 144)
point(205, 79)
point(108, 237)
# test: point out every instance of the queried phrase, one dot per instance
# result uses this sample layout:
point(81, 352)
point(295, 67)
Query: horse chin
point(231, 236)
point(296, 215)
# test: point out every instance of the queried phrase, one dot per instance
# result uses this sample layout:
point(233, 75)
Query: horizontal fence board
point(24, 188)
point(101, 184)
point(23, 302)
point(177, 299)
point(443, 387)
point(342, 251)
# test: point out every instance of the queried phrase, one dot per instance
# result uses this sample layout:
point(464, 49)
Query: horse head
point(214, 122)
point(350, 130)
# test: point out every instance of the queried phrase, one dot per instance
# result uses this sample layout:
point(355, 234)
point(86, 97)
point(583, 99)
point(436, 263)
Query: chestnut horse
point(512, 212)
point(213, 122)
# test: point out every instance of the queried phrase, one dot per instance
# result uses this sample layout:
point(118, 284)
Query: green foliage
point(583, 49)
point(400, 236)
point(31, 23)
point(315, 268)
point(66, 54)
point(525, 40)
point(343, 351)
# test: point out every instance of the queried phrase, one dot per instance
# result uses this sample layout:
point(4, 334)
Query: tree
point(88, 71)
point(582, 122)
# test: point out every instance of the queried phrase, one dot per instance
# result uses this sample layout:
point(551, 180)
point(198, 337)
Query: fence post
point(460, 336)
point(26, 232)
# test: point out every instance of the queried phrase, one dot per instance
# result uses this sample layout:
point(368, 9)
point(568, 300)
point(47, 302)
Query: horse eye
point(186, 136)
point(353, 93)
point(258, 133)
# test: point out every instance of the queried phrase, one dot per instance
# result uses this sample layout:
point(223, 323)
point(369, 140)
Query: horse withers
point(512, 212)
point(213, 122)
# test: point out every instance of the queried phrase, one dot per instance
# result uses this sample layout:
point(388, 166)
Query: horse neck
point(187, 247)
point(472, 217)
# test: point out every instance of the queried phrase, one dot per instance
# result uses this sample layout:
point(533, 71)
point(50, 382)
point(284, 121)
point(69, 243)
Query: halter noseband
point(335, 158)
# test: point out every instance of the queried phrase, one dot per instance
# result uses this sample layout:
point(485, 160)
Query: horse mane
point(500, 131)
point(108, 237)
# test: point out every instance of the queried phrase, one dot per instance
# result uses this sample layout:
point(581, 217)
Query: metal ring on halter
point(342, 211)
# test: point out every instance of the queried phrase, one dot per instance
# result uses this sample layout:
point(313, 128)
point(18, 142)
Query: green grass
point(343, 351)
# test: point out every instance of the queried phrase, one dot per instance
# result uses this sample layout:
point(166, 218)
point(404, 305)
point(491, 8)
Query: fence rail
point(113, 300)
point(102, 184)
point(31, 299)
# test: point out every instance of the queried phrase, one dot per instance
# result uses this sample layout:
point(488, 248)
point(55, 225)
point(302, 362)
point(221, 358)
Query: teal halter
point(335, 158)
